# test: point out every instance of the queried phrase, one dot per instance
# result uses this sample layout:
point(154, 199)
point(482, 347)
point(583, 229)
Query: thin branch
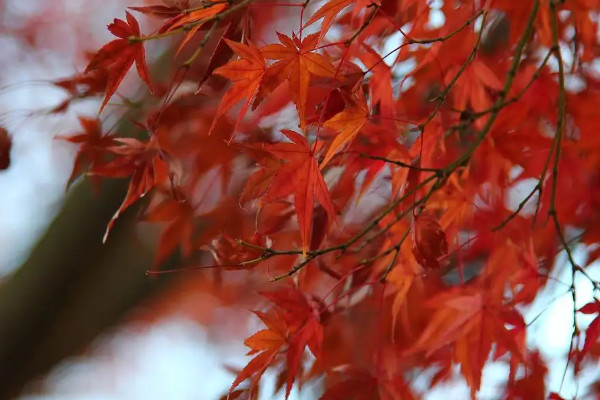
point(188, 26)
point(560, 127)
point(402, 164)
point(502, 96)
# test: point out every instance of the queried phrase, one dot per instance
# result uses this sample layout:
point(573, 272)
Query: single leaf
point(348, 123)
point(266, 339)
point(246, 75)
point(329, 11)
point(592, 332)
point(380, 84)
point(256, 367)
point(222, 52)
point(118, 56)
point(94, 148)
point(81, 86)
point(299, 174)
point(197, 17)
point(142, 162)
point(311, 335)
point(178, 213)
point(470, 321)
point(296, 62)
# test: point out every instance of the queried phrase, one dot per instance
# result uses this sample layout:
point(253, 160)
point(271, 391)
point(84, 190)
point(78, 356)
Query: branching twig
point(190, 25)
point(401, 164)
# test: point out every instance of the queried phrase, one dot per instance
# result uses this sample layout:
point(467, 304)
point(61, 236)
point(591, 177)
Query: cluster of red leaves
point(384, 192)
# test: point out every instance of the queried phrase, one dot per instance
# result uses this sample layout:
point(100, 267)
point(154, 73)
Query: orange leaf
point(197, 17)
point(265, 339)
point(256, 367)
point(348, 123)
point(246, 75)
point(328, 12)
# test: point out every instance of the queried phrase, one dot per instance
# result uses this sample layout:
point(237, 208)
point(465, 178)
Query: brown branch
point(188, 26)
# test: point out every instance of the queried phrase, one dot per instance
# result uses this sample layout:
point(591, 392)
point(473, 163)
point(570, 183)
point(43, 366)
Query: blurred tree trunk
point(72, 286)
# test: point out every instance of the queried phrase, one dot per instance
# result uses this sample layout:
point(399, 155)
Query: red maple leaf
point(178, 212)
point(142, 162)
point(300, 175)
point(246, 75)
point(93, 149)
point(118, 56)
point(297, 61)
point(292, 323)
point(468, 319)
point(592, 332)
point(329, 11)
point(81, 86)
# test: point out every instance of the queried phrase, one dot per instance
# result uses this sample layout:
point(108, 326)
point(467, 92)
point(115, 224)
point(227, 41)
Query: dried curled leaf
point(5, 146)
point(429, 240)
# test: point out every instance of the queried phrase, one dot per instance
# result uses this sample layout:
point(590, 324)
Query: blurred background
point(81, 320)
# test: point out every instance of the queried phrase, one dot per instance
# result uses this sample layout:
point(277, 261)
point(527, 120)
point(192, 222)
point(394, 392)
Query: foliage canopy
point(356, 162)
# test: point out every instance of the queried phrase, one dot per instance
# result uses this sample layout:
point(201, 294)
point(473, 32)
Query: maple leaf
point(348, 122)
point(304, 329)
point(380, 82)
point(142, 162)
point(118, 56)
point(292, 324)
point(593, 330)
point(178, 213)
point(255, 368)
point(246, 75)
point(81, 86)
point(472, 87)
point(328, 12)
point(196, 17)
point(531, 386)
point(466, 319)
point(266, 343)
point(93, 149)
point(222, 52)
point(455, 119)
point(296, 63)
point(260, 182)
point(301, 175)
